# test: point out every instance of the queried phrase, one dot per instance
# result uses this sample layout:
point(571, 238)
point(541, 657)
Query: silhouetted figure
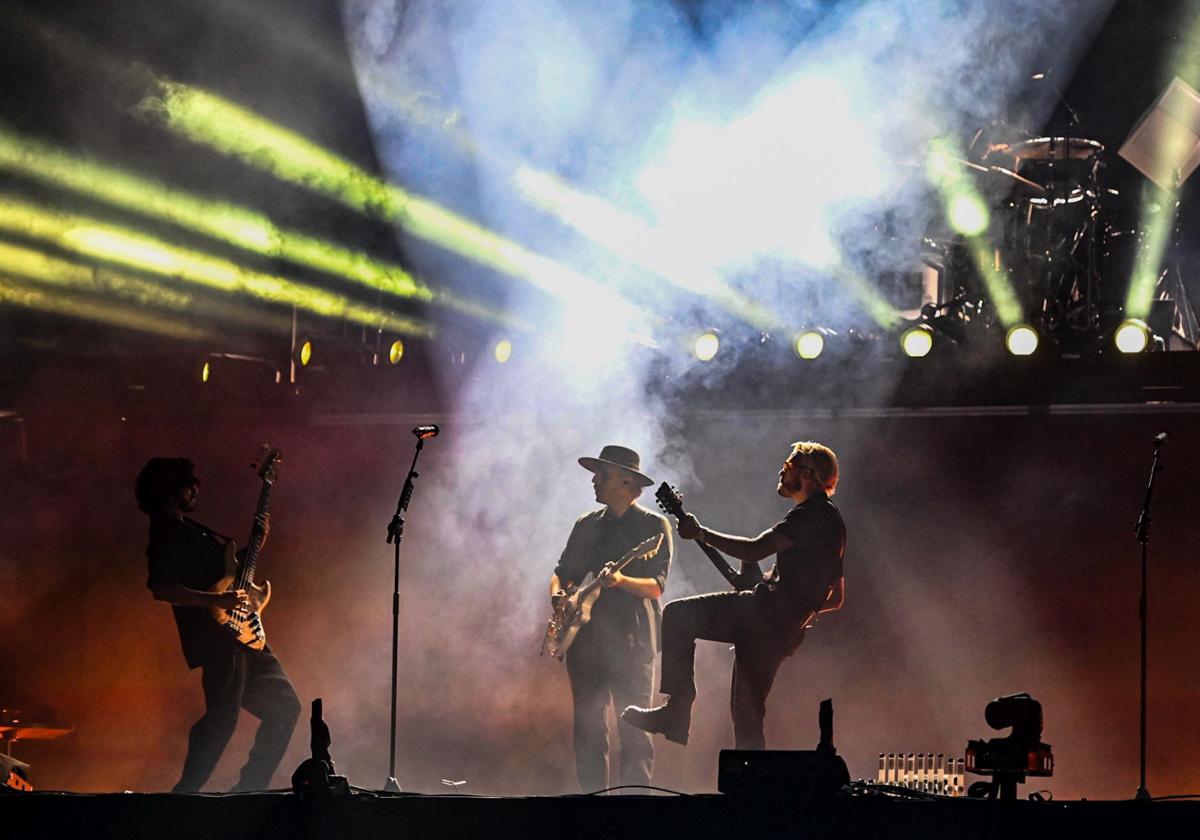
point(185, 560)
point(766, 622)
point(612, 657)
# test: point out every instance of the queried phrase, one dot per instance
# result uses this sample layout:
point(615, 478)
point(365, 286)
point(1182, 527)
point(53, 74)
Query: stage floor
point(368, 814)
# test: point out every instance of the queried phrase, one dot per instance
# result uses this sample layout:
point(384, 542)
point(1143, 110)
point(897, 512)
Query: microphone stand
point(395, 533)
point(1143, 536)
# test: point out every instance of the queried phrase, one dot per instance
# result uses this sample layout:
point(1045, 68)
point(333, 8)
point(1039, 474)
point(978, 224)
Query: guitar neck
point(246, 576)
point(586, 590)
point(718, 560)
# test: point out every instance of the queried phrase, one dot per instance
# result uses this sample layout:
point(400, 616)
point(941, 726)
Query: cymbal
point(1050, 148)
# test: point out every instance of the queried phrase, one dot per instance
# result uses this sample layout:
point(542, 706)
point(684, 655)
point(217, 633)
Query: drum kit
point(1052, 234)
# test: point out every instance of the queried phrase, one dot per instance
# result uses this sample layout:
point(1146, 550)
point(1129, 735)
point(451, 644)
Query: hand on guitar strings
point(233, 599)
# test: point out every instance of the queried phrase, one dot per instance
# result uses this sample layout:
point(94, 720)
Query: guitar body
point(244, 626)
point(572, 613)
point(575, 609)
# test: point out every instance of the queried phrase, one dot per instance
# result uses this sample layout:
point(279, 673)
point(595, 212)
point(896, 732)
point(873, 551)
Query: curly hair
point(160, 478)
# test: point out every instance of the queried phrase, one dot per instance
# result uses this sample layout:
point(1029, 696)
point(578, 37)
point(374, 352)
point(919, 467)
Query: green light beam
point(212, 121)
point(96, 239)
point(238, 226)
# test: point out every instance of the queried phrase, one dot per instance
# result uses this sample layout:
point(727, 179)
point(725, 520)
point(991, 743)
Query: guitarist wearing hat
point(612, 657)
point(765, 619)
point(186, 560)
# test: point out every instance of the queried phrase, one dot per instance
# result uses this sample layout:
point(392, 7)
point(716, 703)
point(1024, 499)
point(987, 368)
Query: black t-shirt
point(187, 553)
point(600, 538)
point(798, 582)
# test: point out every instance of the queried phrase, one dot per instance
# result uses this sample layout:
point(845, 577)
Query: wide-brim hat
point(621, 457)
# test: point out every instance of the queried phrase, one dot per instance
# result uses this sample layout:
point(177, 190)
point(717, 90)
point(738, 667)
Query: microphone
point(1158, 438)
point(423, 432)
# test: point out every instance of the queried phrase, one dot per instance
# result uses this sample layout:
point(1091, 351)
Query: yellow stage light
point(1133, 336)
point(503, 350)
point(1021, 340)
point(917, 341)
point(205, 371)
point(705, 346)
point(396, 352)
point(306, 351)
point(810, 344)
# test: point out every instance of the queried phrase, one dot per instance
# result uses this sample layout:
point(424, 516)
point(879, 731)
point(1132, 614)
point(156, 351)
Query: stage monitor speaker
point(803, 774)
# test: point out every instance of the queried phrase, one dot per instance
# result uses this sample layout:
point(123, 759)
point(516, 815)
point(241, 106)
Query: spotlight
point(306, 353)
point(1133, 336)
point(205, 371)
point(1021, 340)
point(809, 344)
point(706, 346)
point(396, 352)
point(917, 341)
point(503, 350)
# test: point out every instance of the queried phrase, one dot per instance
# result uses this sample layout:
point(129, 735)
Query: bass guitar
point(574, 609)
point(243, 624)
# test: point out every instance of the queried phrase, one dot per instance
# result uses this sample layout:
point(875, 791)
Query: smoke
point(780, 145)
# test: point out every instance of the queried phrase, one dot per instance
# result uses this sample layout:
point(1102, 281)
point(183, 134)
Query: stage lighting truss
point(213, 362)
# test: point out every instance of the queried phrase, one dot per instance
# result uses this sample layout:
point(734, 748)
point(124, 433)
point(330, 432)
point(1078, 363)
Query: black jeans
point(605, 668)
point(761, 638)
point(233, 680)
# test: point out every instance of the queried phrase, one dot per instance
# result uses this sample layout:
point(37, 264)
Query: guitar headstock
point(266, 463)
point(644, 550)
point(669, 500)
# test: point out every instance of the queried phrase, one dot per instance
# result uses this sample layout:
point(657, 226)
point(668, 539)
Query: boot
point(672, 719)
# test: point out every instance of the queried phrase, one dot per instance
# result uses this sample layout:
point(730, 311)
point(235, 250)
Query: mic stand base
point(1142, 793)
point(391, 785)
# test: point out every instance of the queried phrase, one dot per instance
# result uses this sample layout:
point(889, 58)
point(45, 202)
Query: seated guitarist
point(185, 560)
point(612, 657)
point(765, 623)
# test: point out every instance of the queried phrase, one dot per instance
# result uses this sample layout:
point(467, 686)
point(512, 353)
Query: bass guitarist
point(766, 618)
point(186, 560)
point(612, 657)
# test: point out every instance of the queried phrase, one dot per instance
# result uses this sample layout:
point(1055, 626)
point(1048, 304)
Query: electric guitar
point(668, 499)
point(243, 624)
point(575, 609)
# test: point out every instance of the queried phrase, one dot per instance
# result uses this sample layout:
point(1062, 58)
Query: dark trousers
point(233, 680)
point(761, 641)
point(604, 668)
